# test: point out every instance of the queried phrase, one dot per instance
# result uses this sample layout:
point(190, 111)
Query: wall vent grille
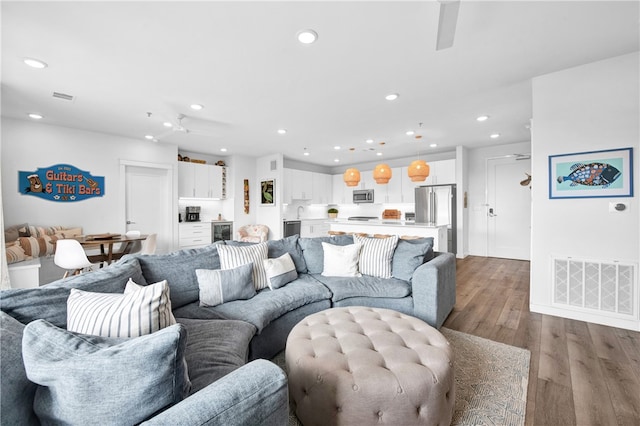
point(62, 96)
point(607, 287)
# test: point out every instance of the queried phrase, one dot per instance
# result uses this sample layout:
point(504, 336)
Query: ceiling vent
point(63, 96)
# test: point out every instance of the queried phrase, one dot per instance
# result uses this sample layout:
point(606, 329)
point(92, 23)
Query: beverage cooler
point(221, 231)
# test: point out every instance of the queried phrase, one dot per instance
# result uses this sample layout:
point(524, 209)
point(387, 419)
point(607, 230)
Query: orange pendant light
point(351, 177)
point(418, 171)
point(382, 173)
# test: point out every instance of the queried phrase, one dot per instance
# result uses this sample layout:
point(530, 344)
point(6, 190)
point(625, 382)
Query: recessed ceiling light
point(282, 131)
point(35, 63)
point(149, 137)
point(369, 140)
point(392, 96)
point(337, 160)
point(378, 154)
point(196, 107)
point(223, 149)
point(167, 124)
point(494, 135)
point(306, 154)
point(337, 147)
point(307, 36)
point(482, 118)
point(433, 145)
point(410, 133)
point(35, 116)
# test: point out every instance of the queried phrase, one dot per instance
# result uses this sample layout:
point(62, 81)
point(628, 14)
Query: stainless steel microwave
point(363, 196)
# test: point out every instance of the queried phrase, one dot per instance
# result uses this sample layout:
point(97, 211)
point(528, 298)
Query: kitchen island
point(394, 227)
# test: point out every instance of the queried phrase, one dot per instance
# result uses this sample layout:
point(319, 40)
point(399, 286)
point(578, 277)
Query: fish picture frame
point(268, 192)
point(607, 173)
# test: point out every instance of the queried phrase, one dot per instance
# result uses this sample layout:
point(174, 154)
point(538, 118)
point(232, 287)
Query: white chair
point(70, 256)
point(149, 245)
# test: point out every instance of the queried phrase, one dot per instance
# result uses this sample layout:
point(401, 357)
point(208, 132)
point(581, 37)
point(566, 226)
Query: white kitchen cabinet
point(322, 188)
point(195, 234)
point(408, 186)
point(298, 185)
point(441, 172)
point(199, 180)
point(314, 228)
point(342, 194)
point(366, 181)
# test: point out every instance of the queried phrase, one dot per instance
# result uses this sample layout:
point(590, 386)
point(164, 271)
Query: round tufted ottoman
point(359, 366)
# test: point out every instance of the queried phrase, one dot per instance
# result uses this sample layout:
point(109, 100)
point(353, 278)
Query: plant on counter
point(333, 213)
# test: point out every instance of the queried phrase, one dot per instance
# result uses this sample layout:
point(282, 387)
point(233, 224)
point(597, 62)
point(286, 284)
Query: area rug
point(491, 381)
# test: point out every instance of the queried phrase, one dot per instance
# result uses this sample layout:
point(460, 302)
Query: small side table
point(25, 274)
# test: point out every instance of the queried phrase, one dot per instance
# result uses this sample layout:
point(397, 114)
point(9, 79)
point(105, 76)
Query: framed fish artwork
point(607, 173)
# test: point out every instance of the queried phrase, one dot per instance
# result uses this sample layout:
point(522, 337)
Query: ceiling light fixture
point(482, 118)
point(148, 137)
point(35, 63)
point(223, 149)
point(306, 154)
point(418, 170)
point(494, 135)
point(369, 140)
point(433, 145)
point(167, 124)
point(197, 107)
point(35, 116)
point(282, 131)
point(307, 36)
point(337, 147)
point(379, 154)
point(351, 176)
point(410, 133)
point(382, 173)
point(392, 96)
point(337, 160)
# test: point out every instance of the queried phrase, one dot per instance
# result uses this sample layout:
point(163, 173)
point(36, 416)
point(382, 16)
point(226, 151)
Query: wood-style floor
point(580, 373)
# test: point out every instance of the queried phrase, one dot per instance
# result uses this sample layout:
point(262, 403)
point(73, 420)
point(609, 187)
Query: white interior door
point(148, 203)
point(508, 209)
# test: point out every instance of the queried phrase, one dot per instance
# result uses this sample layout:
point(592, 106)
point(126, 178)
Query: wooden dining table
point(106, 243)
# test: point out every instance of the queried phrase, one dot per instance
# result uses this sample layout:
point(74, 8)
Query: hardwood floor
point(580, 373)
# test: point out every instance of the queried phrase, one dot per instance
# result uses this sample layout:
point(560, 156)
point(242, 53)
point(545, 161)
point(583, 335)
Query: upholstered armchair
point(253, 233)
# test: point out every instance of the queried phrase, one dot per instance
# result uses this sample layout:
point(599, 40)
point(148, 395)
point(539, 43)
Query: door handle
point(491, 214)
point(130, 222)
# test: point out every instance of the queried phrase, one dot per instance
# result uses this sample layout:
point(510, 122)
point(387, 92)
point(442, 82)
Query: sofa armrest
point(434, 288)
point(256, 393)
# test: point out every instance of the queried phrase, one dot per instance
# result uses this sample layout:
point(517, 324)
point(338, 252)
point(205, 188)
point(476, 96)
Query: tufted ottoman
point(359, 366)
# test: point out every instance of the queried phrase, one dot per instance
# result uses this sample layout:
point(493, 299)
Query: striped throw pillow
point(376, 255)
point(15, 253)
point(235, 256)
point(140, 310)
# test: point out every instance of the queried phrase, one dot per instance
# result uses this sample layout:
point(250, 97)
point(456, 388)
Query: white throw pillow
point(376, 255)
point(280, 271)
point(234, 256)
point(140, 310)
point(340, 261)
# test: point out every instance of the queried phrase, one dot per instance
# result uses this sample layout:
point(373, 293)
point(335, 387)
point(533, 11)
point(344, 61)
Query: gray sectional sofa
point(226, 347)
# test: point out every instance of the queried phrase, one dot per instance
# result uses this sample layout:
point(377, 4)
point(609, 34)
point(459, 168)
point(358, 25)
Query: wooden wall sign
point(61, 182)
point(246, 196)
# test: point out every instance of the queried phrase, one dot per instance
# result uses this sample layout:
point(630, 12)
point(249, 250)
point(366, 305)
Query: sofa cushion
point(340, 261)
point(140, 310)
point(215, 348)
point(409, 255)
point(280, 271)
point(376, 255)
point(49, 302)
point(312, 250)
point(179, 269)
point(234, 256)
point(288, 245)
point(224, 285)
point(16, 398)
point(269, 305)
point(365, 285)
point(88, 379)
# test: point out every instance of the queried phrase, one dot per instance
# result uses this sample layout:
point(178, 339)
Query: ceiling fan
point(447, 23)
point(179, 127)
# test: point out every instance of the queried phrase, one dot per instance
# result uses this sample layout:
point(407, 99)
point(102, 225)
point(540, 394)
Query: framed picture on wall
point(607, 173)
point(268, 192)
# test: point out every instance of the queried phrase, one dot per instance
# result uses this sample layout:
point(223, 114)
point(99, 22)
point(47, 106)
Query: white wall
point(27, 146)
point(269, 215)
point(587, 108)
point(477, 187)
point(242, 168)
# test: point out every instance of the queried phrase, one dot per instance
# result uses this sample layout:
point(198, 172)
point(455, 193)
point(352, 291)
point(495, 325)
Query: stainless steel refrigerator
point(436, 205)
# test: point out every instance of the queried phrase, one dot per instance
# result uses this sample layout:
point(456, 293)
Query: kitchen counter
point(393, 227)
